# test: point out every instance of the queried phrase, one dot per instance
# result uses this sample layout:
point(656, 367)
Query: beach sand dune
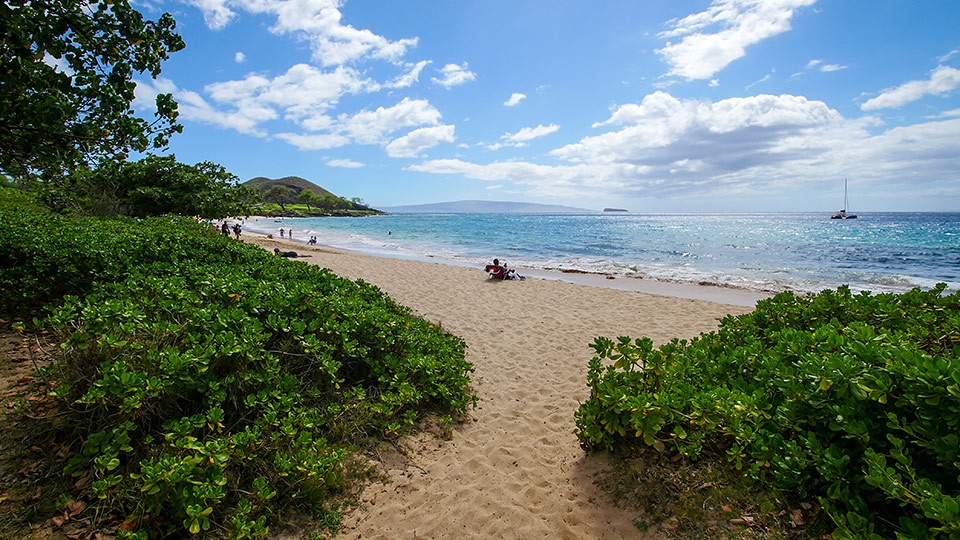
point(515, 468)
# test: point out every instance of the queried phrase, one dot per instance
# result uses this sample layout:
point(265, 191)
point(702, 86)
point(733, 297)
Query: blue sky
point(649, 105)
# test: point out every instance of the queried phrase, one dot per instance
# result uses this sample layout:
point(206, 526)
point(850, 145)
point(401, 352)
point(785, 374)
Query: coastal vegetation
point(851, 401)
point(200, 384)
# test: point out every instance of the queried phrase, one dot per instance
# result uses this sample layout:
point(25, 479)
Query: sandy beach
point(515, 468)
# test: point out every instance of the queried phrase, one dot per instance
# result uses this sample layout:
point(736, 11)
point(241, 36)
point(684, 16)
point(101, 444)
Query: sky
point(647, 105)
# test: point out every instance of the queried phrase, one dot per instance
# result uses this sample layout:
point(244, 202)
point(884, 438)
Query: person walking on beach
point(237, 230)
point(225, 229)
point(281, 232)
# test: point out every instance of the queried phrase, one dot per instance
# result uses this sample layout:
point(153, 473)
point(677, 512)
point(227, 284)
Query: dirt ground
point(23, 391)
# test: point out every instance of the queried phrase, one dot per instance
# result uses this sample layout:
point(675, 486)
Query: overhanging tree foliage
point(154, 186)
point(66, 75)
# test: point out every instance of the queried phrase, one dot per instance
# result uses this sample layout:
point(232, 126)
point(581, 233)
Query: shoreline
point(802, 254)
point(710, 292)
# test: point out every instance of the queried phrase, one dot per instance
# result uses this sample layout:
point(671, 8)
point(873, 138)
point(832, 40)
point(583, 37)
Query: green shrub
point(210, 385)
point(854, 399)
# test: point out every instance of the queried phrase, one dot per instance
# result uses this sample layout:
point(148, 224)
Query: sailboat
point(843, 213)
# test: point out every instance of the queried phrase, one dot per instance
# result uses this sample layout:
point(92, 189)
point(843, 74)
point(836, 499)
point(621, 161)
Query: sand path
point(515, 469)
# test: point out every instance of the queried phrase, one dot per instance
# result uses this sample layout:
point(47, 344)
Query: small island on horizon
point(615, 210)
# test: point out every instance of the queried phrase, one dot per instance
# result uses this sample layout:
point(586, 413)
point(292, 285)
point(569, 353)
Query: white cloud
point(345, 164)
point(454, 75)
point(515, 99)
point(418, 140)
point(316, 21)
point(308, 141)
point(371, 127)
point(192, 106)
point(828, 68)
point(306, 97)
point(665, 146)
point(303, 95)
point(949, 55)
point(712, 39)
point(662, 130)
point(239, 58)
point(817, 64)
point(527, 134)
point(216, 13)
point(762, 80)
point(942, 81)
point(407, 79)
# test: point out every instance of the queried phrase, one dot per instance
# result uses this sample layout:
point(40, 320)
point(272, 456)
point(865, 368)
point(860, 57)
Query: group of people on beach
point(225, 228)
point(500, 271)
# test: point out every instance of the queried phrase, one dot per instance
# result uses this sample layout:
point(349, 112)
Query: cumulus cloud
point(216, 13)
point(942, 81)
point(418, 140)
point(370, 127)
point(515, 99)
point(303, 94)
point(302, 106)
point(316, 21)
point(710, 40)
point(454, 75)
point(239, 58)
point(304, 97)
point(192, 106)
point(667, 146)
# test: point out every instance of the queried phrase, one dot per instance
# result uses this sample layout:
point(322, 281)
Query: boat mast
point(844, 195)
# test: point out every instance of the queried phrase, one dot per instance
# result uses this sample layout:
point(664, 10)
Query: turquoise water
point(882, 252)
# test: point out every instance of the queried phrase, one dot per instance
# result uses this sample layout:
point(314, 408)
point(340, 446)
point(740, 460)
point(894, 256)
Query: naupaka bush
point(209, 386)
point(852, 399)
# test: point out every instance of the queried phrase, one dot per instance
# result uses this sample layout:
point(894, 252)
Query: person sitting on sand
point(288, 254)
point(500, 271)
point(510, 273)
point(495, 271)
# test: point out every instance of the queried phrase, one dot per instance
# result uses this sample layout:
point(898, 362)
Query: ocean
point(769, 252)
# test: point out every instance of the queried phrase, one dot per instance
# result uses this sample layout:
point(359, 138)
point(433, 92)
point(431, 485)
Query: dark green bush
point(853, 399)
point(210, 384)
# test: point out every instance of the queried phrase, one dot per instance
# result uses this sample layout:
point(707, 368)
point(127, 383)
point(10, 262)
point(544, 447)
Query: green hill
point(294, 183)
point(324, 202)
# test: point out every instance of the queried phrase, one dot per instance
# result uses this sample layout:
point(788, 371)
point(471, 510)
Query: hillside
point(294, 183)
point(323, 203)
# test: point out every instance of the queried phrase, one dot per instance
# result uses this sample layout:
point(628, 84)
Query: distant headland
point(615, 210)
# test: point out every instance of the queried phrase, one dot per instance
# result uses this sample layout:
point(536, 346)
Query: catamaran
point(843, 213)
